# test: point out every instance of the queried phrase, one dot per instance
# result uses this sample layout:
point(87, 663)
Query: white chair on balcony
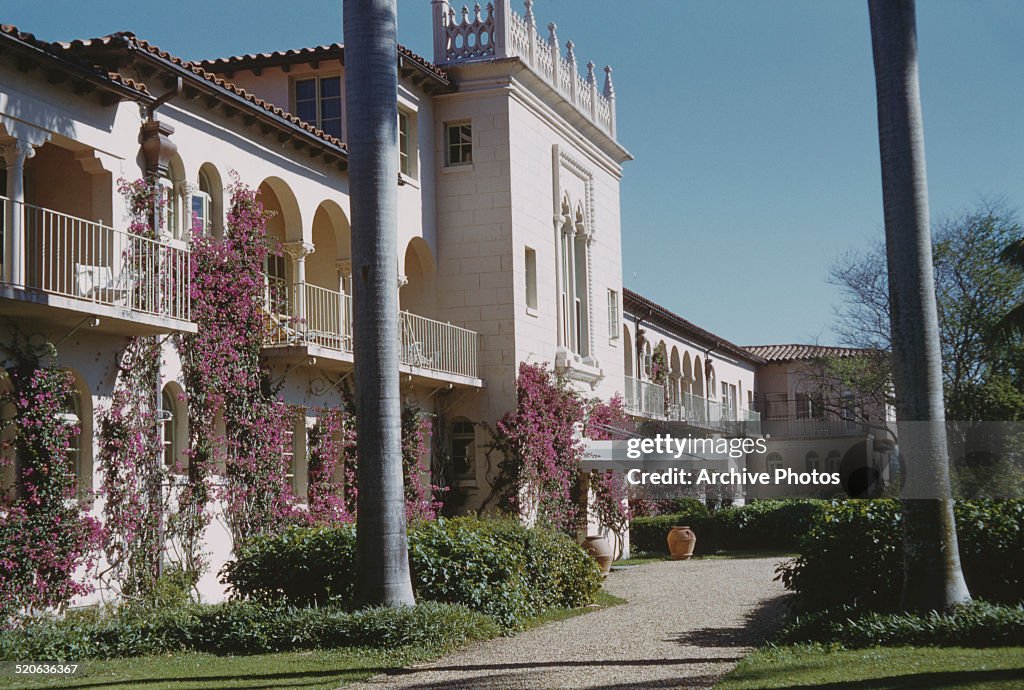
point(98, 283)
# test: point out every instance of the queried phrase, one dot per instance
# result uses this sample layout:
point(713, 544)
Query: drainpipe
point(157, 151)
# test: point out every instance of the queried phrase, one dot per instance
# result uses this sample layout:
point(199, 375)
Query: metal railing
point(91, 262)
point(305, 313)
point(644, 398)
point(795, 428)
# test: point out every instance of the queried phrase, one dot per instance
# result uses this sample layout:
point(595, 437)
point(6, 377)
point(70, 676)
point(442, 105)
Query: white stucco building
point(509, 227)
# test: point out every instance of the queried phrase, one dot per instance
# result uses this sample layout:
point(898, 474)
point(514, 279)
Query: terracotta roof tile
point(58, 52)
point(635, 303)
point(225, 64)
point(129, 40)
point(796, 352)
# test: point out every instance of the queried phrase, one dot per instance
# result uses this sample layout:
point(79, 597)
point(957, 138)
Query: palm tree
point(931, 561)
point(371, 86)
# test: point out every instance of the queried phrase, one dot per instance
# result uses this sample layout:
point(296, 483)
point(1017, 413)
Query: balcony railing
point(645, 399)
point(304, 313)
point(796, 428)
point(91, 262)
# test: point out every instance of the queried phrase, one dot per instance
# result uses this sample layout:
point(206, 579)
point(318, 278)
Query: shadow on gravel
point(755, 629)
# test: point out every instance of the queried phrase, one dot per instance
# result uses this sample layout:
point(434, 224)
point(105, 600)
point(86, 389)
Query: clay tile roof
point(638, 305)
point(57, 52)
point(795, 352)
point(129, 39)
point(334, 50)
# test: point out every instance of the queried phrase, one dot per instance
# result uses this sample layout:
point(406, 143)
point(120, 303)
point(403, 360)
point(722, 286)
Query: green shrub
point(978, 624)
point(853, 555)
point(244, 628)
point(776, 524)
point(497, 567)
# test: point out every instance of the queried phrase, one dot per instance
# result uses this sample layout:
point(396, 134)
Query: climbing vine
point(46, 536)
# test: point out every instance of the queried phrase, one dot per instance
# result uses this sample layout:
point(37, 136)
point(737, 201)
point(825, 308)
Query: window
point(463, 449)
point(169, 421)
point(812, 462)
point(774, 462)
point(72, 416)
point(318, 102)
point(833, 461)
point(458, 144)
point(729, 400)
point(277, 287)
point(531, 278)
point(201, 206)
point(613, 315)
point(404, 163)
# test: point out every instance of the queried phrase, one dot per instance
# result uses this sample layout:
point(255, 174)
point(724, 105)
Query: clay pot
point(681, 541)
point(601, 550)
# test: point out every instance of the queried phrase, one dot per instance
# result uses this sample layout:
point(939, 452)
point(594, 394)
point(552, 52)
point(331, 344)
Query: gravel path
point(685, 624)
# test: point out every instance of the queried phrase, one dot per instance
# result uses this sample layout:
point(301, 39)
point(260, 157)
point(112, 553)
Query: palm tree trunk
point(371, 87)
point(931, 562)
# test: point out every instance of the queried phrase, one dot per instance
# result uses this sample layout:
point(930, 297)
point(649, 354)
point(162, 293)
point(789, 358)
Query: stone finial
point(553, 34)
point(609, 88)
point(530, 19)
point(465, 15)
point(570, 54)
point(490, 11)
point(591, 79)
point(476, 13)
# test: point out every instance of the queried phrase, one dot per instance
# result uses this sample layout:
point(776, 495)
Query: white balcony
point(309, 320)
point(645, 399)
point(69, 268)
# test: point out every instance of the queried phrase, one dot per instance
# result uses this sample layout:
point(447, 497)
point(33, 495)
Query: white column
point(559, 316)
point(298, 251)
point(344, 267)
point(15, 153)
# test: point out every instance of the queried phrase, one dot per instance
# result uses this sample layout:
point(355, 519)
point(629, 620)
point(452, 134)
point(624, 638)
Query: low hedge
point(853, 555)
point(772, 525)
point(978, 624)
point(497, 567)
point(243, 628)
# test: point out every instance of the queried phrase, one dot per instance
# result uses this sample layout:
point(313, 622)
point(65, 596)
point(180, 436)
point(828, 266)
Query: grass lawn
point(306, 669)
point(880, 668)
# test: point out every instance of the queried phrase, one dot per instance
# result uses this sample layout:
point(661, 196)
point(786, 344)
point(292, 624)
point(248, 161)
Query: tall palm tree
point(371, 87)
point(933, 579)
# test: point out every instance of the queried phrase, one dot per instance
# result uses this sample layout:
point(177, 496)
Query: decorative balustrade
point(497, 31)
point(304, 313)
point(91, 262)
point(646, 399)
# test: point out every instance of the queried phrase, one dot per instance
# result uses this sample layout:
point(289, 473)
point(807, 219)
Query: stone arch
point(687, 375)
point(698, 376)
point(278, 197)
point(675, 377)
point(417, 294)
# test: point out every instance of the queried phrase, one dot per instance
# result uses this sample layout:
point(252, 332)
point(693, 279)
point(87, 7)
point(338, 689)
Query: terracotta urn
point(601, 550)
point(681, 541)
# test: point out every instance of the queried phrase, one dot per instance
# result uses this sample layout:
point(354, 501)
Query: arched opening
point(174, 420)
point(675, 376)
point(417, 295)
point(698, 377)
point(832, 461)
point(812, 463)
point(284, 225)
point(687, 377)
point(773, 462)
point(207, 204)
point(77, 410)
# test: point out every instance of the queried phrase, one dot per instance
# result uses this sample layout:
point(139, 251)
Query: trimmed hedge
point(853, 555)
point(978, 624)
point(243, 628)
point(771, 525)
point(497, 567)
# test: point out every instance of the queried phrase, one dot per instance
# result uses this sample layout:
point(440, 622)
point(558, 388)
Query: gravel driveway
point(685, 625)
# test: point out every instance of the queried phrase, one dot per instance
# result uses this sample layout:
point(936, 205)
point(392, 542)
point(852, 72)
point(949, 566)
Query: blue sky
point(752, 123)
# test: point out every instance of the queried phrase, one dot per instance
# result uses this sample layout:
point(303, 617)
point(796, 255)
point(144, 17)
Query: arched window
point(71, 414)
point(574, 288)
point(462, 449)
point(812, 462)
point(773, 462)
point(832, 461)
point(648, 360)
